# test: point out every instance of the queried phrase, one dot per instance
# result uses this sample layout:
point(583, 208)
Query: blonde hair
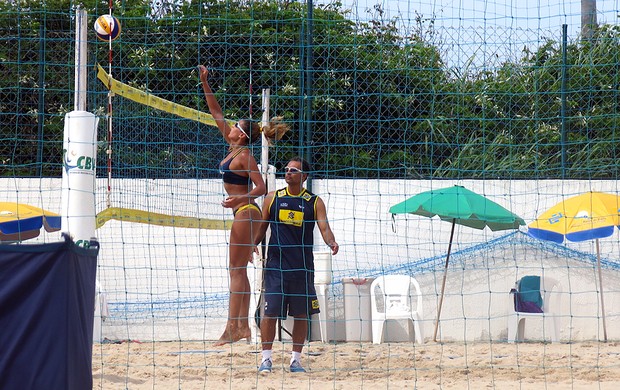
point(274, 130)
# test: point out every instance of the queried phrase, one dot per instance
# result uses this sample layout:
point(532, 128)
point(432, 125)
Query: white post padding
point(78, 176)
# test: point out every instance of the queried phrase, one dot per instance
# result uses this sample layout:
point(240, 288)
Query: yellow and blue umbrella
point(19, 222)
point(589, 216)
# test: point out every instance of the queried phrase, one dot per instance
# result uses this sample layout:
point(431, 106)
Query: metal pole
point(81, 60)
point(307, 140)
point(600, 281)
point(40, 114)
point(264, 158)
point(264, 167)
point(443, 284)
point(563, 98)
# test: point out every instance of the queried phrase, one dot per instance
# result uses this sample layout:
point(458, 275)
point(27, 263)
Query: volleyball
point(106, 27)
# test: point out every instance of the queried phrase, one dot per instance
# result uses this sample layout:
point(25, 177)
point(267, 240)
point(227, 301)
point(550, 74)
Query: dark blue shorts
point(283, 294)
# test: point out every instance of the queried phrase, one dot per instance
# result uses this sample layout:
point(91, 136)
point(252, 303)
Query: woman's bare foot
point(232, 335)
point(226, 338)
point(243, 334)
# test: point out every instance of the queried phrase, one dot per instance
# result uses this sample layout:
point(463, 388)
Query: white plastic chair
point(550, 290)
point(394, 296)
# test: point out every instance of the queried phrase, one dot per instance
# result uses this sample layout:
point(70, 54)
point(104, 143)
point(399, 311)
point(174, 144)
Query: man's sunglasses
point(292, 170)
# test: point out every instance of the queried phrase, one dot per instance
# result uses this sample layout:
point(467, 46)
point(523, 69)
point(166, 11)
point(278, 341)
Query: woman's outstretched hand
point(203, 72)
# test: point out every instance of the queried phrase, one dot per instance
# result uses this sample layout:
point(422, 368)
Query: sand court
point(199, 365)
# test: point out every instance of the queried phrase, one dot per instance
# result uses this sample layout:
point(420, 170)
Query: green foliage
point(364, 100)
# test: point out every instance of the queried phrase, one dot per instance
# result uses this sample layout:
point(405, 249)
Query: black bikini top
point(229, 176)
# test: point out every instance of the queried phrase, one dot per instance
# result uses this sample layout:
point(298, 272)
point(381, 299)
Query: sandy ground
point(200, 365)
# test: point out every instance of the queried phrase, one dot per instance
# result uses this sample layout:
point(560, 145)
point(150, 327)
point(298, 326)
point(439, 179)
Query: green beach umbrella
point(461, 206)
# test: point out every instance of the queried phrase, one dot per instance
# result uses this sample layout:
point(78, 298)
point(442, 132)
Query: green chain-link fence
point(365, 98)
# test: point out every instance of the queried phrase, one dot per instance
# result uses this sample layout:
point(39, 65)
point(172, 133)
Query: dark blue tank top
point(229, 176)
point(291, 242)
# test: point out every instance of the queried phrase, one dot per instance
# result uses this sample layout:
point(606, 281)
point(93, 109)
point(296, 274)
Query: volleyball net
point(385, 101)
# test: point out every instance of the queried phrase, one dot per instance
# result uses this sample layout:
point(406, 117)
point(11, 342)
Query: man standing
point(289, 272)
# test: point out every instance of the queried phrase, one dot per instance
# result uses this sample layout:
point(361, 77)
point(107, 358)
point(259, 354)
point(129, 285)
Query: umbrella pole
point(443, 283)
point(600, 282)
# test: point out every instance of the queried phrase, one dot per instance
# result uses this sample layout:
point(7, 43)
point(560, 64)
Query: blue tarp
point(47, 303)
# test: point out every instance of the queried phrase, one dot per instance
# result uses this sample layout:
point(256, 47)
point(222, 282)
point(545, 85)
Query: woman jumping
point(243, 183)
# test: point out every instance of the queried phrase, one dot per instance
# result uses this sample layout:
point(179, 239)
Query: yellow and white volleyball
point(106, 27)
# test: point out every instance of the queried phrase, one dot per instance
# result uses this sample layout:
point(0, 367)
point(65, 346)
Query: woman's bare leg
point(243, 322)
point(240, 253)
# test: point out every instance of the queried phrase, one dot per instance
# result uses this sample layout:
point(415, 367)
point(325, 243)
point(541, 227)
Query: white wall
point(181, 273)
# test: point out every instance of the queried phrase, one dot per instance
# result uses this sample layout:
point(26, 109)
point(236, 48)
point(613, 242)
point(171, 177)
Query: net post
point(264, 160)
point(81, 60)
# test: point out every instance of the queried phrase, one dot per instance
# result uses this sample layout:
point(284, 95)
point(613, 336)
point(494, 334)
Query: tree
point(383, 103)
